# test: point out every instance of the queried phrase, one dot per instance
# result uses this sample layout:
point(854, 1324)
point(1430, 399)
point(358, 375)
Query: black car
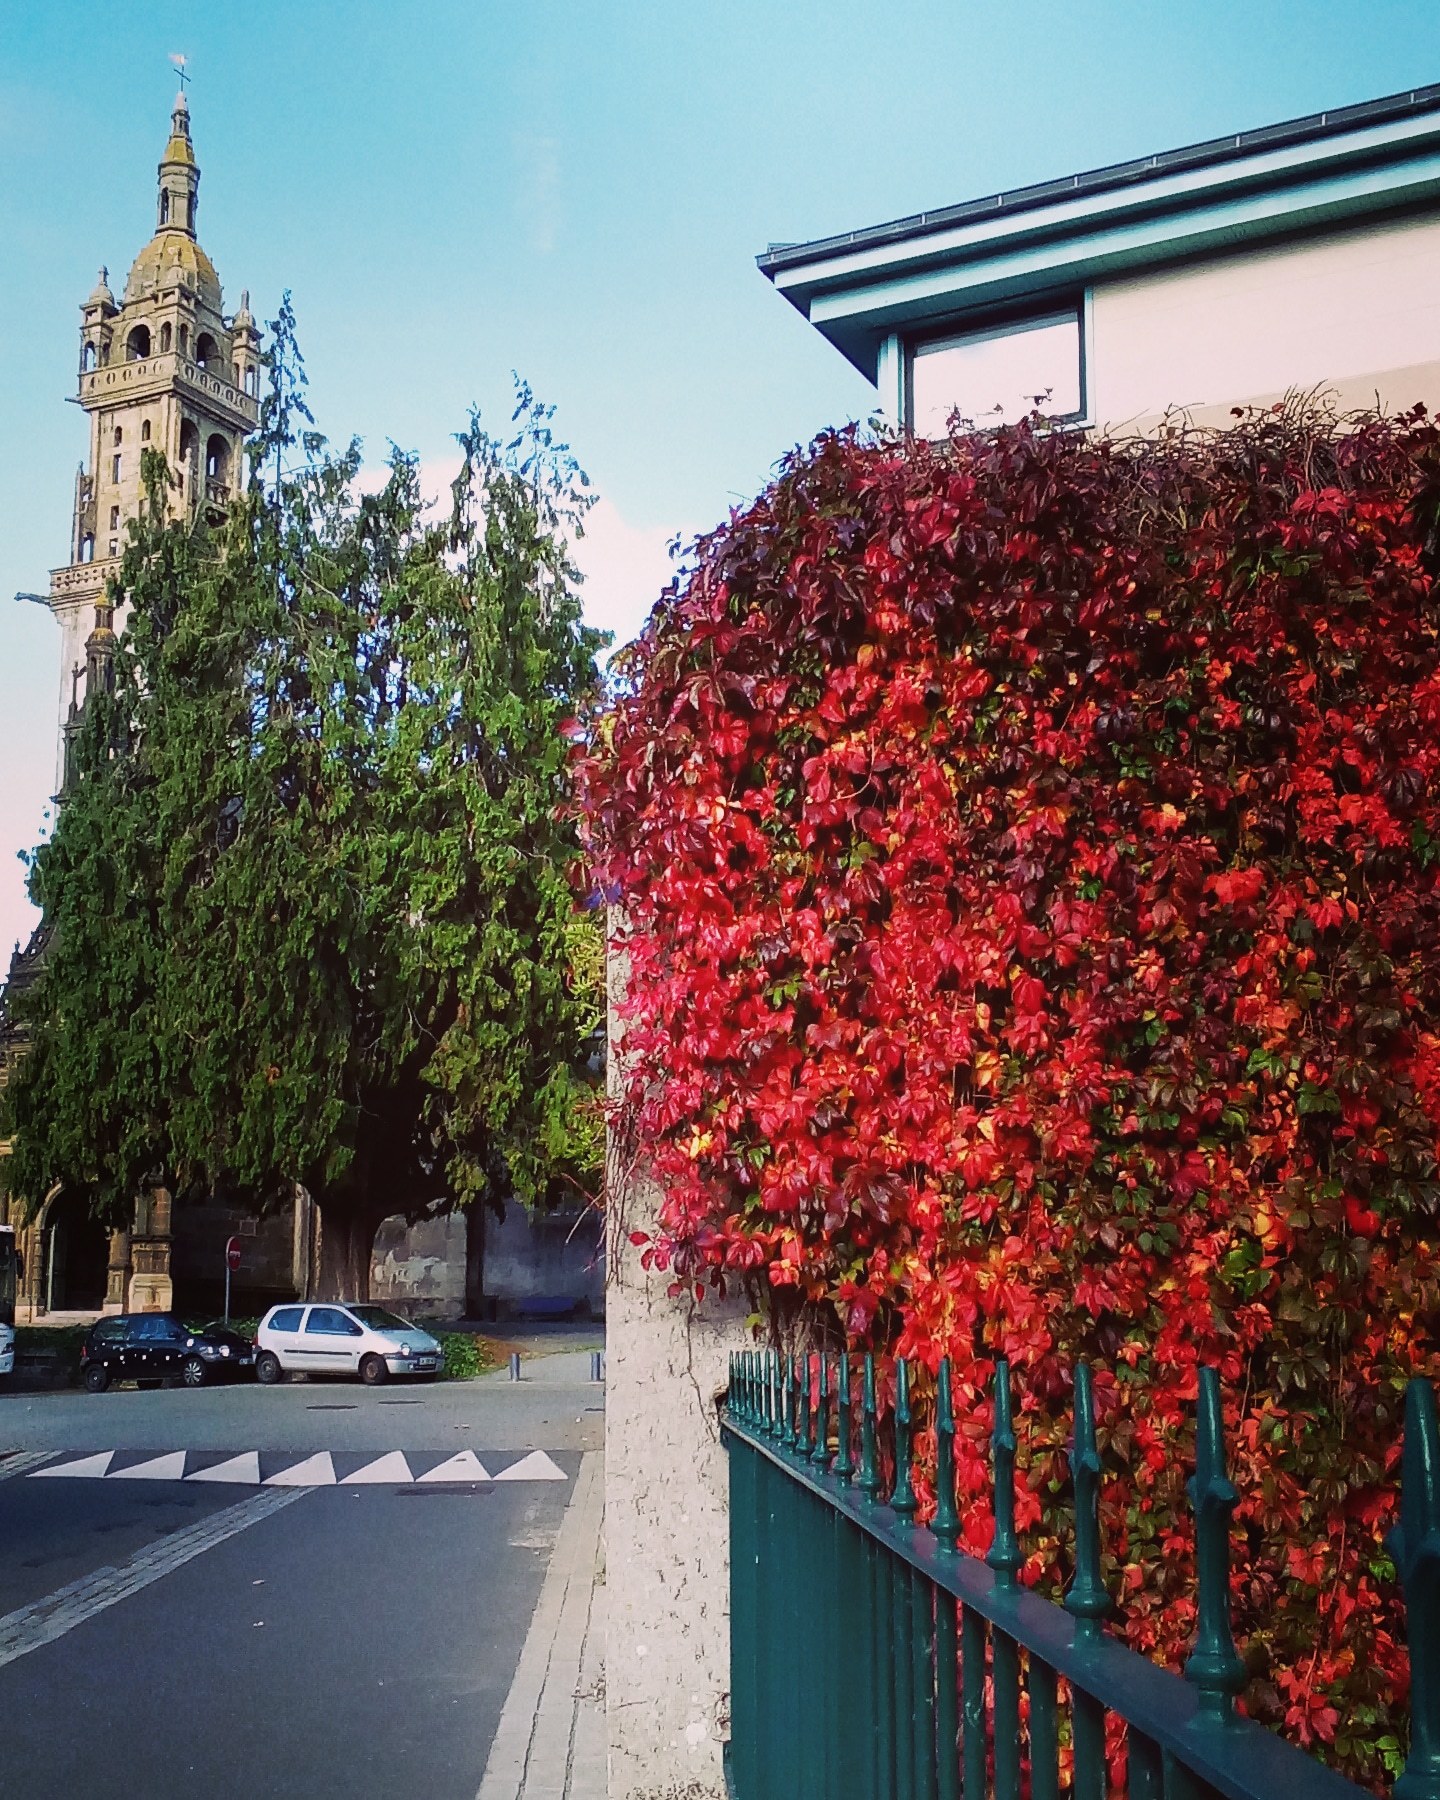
point(155, 1347)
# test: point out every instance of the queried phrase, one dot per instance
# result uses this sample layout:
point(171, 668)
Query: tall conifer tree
point(313, 918)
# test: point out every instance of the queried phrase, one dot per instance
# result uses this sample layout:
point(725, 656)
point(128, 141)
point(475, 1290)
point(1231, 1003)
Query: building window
point(184, 340)
point(115, 468)
point(144, 431)
point(998, 373)
point(114, 518)
point(165, 208)
point(204, 349)
point(87, 547)
point(87, 361)
point(165, 338)
point(114, 546)
point(137, 345)
point(119, 435)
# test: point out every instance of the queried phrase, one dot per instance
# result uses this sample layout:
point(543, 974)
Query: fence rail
point(871, 1659)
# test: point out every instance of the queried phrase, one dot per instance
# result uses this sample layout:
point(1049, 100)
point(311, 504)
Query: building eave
point(1302, 176)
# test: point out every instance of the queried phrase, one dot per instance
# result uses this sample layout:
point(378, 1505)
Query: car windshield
point(378, 1319)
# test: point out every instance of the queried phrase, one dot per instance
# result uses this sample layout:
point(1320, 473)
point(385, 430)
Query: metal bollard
point(514, 1365)
point(597, 1359)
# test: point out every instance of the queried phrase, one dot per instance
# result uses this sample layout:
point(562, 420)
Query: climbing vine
point(1028, 846)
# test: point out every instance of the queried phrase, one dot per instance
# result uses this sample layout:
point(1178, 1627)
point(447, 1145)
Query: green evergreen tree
point(311, 892)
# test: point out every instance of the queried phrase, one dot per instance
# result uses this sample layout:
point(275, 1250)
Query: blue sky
point(453, 189)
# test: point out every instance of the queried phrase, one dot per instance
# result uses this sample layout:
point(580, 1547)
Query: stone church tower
point(162, 369)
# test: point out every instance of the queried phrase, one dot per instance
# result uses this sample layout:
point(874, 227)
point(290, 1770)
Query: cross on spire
point(180, 61)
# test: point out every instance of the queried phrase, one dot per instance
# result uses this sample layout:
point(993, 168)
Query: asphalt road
point(167, 1635)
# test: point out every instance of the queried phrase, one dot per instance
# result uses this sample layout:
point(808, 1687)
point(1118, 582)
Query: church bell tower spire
point(179, 174)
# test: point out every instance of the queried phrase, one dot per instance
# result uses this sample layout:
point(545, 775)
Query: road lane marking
point(315, 1471)
point(537, 1466)
point(159, 1468)
point(43, 1621)
point(465, 1465)
point(21, 1462)
point(242, 1468)
point(391, 1468)
point(88, 1467)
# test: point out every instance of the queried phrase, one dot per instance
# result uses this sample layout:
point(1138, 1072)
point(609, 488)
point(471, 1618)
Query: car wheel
point(97, 1377)
point(267, 1368)
point(193, 1372)
point(373, 1371)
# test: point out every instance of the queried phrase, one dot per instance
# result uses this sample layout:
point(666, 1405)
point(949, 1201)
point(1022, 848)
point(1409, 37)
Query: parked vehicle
point(156, 1347)
point(343, 1338)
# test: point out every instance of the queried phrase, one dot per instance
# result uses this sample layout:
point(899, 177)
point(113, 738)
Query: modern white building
point(1299, 256)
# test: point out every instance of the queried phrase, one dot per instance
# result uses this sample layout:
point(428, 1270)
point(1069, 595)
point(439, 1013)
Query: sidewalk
point(550, 1743)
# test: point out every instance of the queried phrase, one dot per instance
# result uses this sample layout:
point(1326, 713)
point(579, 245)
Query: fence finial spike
point(946, 1523)
point(802, 1436)
point(844, 1460)
point(820, 1452)
point(1415, 1545)
point(1004, 1553)
point(902, 1499)
point(1087, 1599)
point(1214, 1665)
point(787, 1421)
point(869, 1461)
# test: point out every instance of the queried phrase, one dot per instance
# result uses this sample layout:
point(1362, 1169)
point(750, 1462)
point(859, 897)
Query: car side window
point(107, 1334)
point(329, 1322)
point(287, 1319)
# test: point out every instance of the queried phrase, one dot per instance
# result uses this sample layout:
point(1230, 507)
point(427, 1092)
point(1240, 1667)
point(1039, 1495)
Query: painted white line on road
point(88, 1467)
point(170, 1467)
point(242, 1468)
point(45, 1620)
point(537, 1466)
point(465, 1465)
point(389, 1469)
point(315, 1471)
point(21, 1462)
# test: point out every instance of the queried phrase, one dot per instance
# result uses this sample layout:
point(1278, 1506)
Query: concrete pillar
point(151, 1288)
point(667, 1569)
point(117, 1273)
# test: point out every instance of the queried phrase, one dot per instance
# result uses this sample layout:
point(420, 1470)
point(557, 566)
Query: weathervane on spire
point(180, 61)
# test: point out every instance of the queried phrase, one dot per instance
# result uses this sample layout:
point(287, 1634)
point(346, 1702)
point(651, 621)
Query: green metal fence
point(871, 1659)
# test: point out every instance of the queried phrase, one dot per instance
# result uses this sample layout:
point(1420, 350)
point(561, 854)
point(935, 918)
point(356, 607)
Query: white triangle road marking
point(159, 1468)
point(315, 1471)
point(465, 1465)
point(388, 1469)
point(86, 1466)
point(244, 1468)
point(537, 1466)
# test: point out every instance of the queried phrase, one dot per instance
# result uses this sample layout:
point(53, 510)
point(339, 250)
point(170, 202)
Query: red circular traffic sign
point(232, 1255)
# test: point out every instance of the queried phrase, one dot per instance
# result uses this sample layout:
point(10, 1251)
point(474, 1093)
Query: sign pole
point(232, 1262)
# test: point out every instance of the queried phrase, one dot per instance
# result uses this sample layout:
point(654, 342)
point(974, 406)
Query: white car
point(343, 1338)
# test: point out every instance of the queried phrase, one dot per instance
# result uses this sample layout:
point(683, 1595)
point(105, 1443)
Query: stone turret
point(162, 369)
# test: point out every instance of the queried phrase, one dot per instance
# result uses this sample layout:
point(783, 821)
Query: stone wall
point(422, 1265)
point(545, 1256)
point(667, 1566)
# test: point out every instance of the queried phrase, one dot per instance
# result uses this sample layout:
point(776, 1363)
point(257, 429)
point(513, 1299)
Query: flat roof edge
point(1213, 152)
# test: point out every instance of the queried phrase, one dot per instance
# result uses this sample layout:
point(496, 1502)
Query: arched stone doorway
point(77, 1256)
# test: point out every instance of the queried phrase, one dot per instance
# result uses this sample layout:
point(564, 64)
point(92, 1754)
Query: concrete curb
point(550, 1743)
